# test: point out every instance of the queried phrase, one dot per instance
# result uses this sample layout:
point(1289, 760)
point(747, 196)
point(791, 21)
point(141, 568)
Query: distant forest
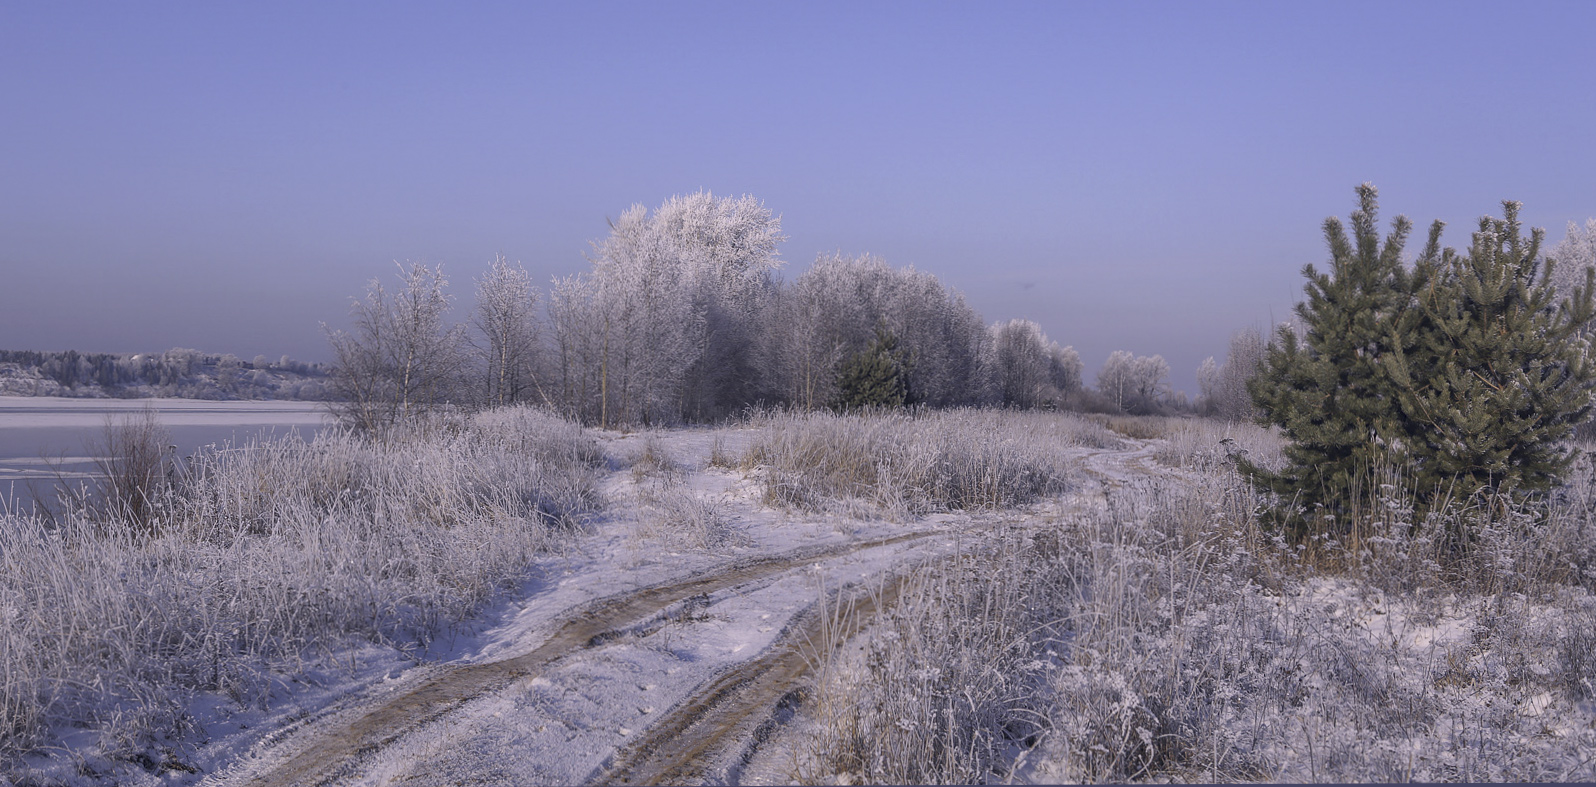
point(189, 374)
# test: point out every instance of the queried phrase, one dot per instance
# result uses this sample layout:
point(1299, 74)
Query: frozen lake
point(44, 439)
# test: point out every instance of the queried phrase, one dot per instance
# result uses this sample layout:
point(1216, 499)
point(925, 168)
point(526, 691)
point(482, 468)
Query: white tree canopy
point(1032, 370)
point(1132, 383)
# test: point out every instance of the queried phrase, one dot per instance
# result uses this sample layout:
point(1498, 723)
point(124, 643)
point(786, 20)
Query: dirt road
point(676, 682)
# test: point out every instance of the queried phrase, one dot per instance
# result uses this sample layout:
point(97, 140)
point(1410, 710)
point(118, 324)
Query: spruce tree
point(1499, 376)
point(877, 376)
point(1330, 393)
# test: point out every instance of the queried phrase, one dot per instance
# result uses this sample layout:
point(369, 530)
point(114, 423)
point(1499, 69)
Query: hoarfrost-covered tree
point(1152, 381)
point(1116, 380)
point(1224, 386)
point(664, 325)
point(729, 248)
point(401, 358)
point(1573, 254)
point(653, 326)
point(832, 311)
point(1032, 370)
point(1065, 367)
point(577, 328)
point(507, 332)
point(1135, 384)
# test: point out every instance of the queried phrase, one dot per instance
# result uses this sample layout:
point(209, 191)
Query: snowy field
point(46, 439)
point(956, 597)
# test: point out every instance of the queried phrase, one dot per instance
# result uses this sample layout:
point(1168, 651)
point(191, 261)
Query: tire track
point(709, 730)
point(336, 753)
point(699, 741)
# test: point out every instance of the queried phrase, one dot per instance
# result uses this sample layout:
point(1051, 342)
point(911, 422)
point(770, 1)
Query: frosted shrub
point(274, 552)
point(683, 518)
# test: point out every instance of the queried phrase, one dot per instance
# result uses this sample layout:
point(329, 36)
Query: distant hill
point(189, 374)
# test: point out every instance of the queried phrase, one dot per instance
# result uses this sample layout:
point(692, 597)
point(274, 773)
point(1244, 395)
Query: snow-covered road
point(630, 661)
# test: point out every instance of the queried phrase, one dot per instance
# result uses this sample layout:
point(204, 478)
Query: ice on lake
point(48, 440)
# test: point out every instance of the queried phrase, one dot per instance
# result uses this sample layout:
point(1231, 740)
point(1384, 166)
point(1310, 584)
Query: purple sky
point(1135, 176)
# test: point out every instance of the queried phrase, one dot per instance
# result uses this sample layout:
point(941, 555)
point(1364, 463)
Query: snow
point(563, 722)
point(560, 725)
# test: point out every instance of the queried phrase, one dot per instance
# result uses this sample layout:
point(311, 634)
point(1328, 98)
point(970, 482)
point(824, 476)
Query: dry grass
point(679, 517)
point(1139, 427)
point(949, 682)
point(1211, 445)
point(906, 464)
point(133, 461)
point(1169, 636)
point(267, 555)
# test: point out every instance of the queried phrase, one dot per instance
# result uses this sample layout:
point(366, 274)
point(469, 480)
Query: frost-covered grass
point(1209, 444)
point(678, 515)
point(1169, 636)
point(1140, 427)
point(251, 562)
point(947, 685)
point(905, 463)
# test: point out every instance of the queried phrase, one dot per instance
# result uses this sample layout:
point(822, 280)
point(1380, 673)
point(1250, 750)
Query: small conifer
point(1329, 392)
point(1499, 375)
point(877, 376)
point(1462, 371)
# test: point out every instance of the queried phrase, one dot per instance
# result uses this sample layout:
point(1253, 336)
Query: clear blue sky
point(1141, 176)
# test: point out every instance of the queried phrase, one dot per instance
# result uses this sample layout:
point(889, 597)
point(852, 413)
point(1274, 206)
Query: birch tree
point(1031, 369)
point(401, 358)
point(1224, 386)
point(832, 311)
point(1571, 256)
point(507, 333)
point(1134, 384)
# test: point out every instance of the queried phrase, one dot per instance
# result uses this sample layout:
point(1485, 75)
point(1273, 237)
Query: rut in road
point(335, 753)
point(705, 735)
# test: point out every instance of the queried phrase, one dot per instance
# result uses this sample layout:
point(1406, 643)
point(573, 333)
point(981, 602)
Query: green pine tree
point(1461, 372)
point(1330, 393)
point(1500, 375)
point(877, 376)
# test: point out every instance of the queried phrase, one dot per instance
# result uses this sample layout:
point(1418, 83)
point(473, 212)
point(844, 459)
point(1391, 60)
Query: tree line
point(177, 372)
point(682, 316)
